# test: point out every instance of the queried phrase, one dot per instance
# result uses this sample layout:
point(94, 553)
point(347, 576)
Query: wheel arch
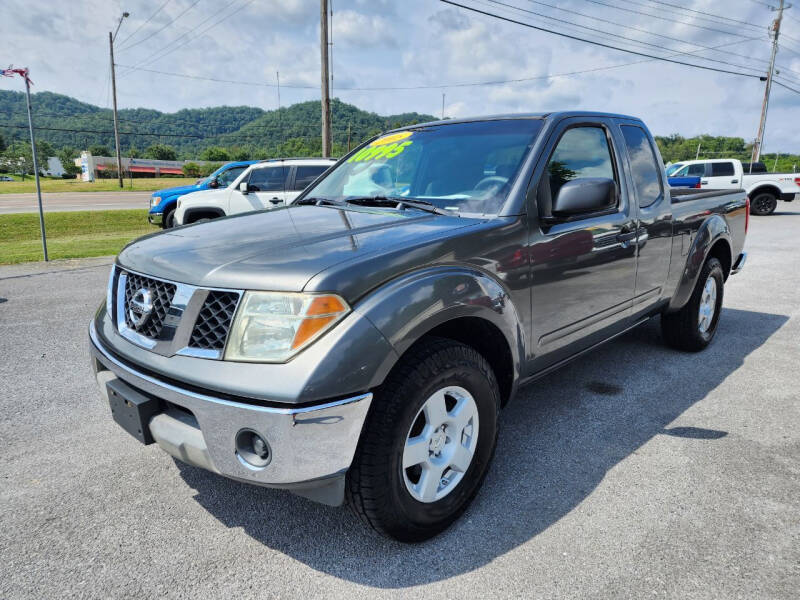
point(463, 305)
point(712, 239)
point(192, 214)
point(771, 188)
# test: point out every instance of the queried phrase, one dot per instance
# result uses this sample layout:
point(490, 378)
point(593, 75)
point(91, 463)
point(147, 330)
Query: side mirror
point(583, 195)
point(244, 188)
point(213, 183)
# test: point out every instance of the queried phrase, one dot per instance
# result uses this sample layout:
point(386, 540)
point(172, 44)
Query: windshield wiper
point(318, 201)
point(399, 202)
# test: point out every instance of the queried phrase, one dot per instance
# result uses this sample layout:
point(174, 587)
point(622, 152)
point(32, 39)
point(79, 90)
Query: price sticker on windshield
point(387, 146)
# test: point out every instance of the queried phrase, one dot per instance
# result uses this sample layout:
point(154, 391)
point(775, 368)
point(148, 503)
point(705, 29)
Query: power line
point(141, 133)
point(160, 29)
point(646, 31)
point(704, 15)
point(150, 18)
point(783, 85)
point(617, 36)
point(652, 16)
point(199, 34)
point(183, 35)
point(596, 43)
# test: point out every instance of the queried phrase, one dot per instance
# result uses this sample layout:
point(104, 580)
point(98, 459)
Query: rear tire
point(763, 204)
point(693, 327)
point(407, 458)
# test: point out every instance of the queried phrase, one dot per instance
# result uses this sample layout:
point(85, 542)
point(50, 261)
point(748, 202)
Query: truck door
point(721, 176)
point(654, 215)
point(583, 267)
point(266, 189)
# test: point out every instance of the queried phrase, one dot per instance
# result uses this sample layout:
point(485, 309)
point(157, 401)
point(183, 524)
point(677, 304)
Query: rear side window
point(305, 175)
point(723, 169)
point(581, 152)
point(644, 166)
point(268, 179)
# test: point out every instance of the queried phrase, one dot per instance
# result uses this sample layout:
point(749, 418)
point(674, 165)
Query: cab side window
point(644, 166)
point(581, 152)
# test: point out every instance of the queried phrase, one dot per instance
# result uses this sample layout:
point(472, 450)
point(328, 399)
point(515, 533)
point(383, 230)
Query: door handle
point(275, 200)
point(734, 181)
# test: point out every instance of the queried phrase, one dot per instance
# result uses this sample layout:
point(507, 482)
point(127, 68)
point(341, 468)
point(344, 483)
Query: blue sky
point(384, 43)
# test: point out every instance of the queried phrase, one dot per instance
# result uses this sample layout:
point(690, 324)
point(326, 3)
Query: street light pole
point(111, 38)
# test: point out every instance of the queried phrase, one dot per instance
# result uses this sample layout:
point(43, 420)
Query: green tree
point(191, 169)
point(100, 150)
point(2, 143)
point(161, 152)
point(134, 153)
point(215, 153)
point(67, 156)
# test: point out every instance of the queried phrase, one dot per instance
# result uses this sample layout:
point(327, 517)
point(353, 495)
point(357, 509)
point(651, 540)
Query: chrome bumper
point(311, 447)
point(739, 264)
point(155, 218)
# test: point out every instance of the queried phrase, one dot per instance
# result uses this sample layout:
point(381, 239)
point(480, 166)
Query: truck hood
point(281, 249)
point(181, 189)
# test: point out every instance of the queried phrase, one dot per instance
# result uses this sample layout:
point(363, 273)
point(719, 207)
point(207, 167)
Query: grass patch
point(100, 185)
point(70, 234)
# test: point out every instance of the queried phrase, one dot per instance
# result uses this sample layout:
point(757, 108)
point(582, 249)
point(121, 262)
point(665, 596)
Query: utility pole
point(111, 38)
point(348, 137)
point(35, 163)
point(776, 29)
point(696, 156)
point(280, 119)
point(326, 98)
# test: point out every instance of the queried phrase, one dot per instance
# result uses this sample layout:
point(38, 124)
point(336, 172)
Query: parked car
point(763, 189)
point(265, 185)
point(359, 344)
point(6, 178)
point(164, 202)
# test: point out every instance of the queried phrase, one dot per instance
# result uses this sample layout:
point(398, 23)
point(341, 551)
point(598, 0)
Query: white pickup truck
point(264, 185)
point(763, 189)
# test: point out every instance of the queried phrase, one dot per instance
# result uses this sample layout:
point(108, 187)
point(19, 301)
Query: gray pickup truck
point(358, 345)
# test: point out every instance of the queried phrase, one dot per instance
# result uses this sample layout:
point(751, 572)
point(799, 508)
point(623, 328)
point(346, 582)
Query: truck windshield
point(463, 167)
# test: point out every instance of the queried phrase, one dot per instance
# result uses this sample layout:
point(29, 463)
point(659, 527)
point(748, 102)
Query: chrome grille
point(162, 294)
point(214, 321)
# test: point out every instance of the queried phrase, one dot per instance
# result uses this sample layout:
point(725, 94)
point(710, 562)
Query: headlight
point(155, 201)
point(274, 326)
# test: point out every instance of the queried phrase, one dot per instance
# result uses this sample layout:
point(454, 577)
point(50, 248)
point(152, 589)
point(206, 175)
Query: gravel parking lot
point(634, 472)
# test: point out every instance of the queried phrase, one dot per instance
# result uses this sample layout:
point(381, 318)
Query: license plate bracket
point(132, 410)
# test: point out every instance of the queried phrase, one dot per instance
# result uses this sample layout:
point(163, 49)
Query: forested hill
point(295, 130)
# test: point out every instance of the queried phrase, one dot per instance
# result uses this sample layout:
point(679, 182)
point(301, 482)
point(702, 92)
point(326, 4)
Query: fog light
point(252, 450)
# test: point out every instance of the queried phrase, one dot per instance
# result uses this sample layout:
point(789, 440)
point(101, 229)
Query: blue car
point(164, 202)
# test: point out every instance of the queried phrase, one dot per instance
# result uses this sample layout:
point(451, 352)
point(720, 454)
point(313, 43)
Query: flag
point(10, 72)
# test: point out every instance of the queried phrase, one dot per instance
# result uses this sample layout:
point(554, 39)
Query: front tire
point(427, 442)
point(169, 219)
point(763, 204)
point(693, 327)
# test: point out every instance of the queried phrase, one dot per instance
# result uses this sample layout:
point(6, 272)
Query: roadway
point(635, 472)
point(72, 201)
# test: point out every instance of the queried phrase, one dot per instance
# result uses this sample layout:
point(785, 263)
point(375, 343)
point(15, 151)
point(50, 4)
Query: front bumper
point(155, 218)
point(311, 446)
